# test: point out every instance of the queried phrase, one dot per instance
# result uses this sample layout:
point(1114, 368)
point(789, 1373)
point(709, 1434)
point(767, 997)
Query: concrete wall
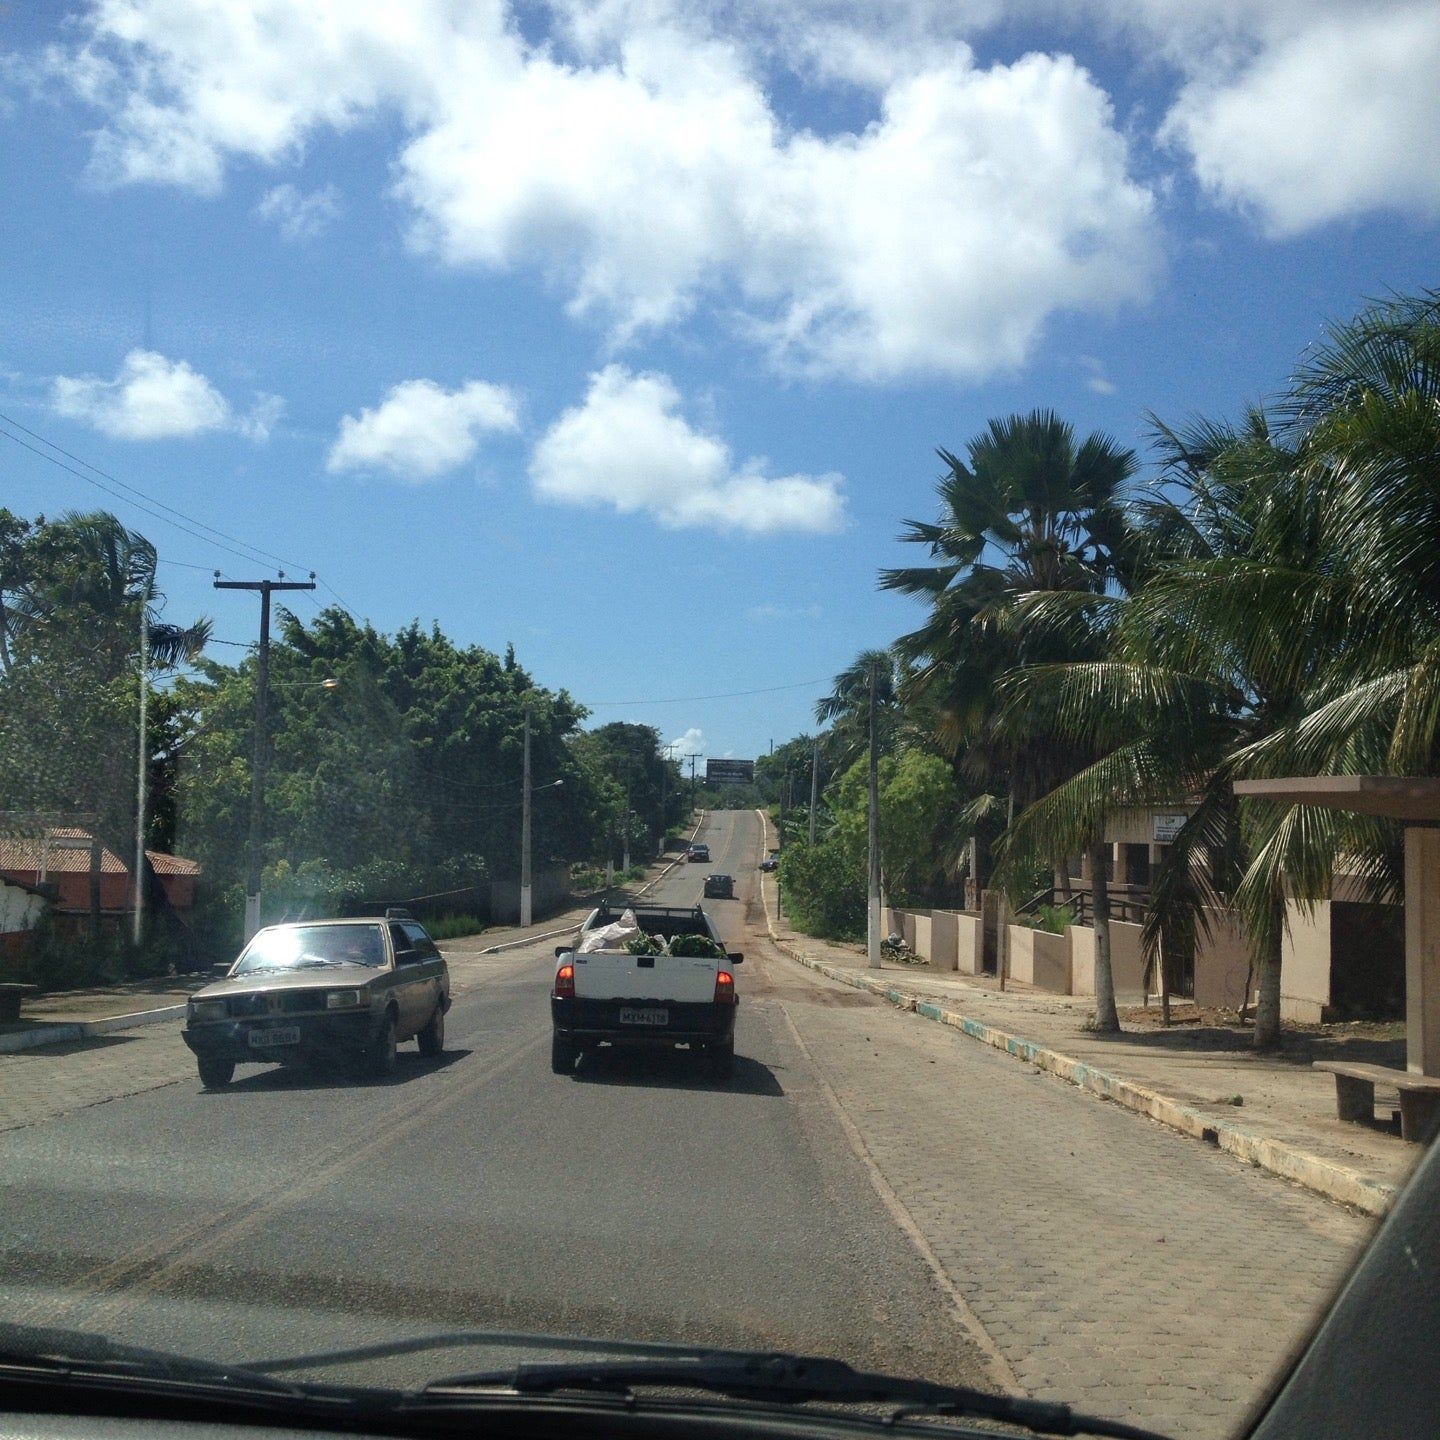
point(969, 943)
point(1222, 961)
point(921, 945)
point(1305, 962)
point(549, 891)
point(1040, 959)
point(944, 939)
point(20, 910)
point(1082, 959)
point(1127, 964)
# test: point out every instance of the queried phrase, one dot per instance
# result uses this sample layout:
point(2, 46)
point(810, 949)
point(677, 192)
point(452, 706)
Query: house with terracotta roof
point(57, 862)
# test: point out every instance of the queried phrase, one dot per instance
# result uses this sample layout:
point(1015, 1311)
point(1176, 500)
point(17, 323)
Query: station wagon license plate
point(632, 1015)
point(279, 1035)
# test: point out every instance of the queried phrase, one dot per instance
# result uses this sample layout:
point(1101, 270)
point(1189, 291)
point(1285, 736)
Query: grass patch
point(452, 927)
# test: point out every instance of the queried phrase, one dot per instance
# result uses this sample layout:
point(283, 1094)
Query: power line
point(148, 505)
point(723, 695)
point(135, 491)
point(125, 499)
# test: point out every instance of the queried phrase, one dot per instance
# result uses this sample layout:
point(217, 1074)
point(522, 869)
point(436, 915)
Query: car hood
point(329, 978)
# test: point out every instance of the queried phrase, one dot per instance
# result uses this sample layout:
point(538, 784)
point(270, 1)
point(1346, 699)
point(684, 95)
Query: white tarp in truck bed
point(611, 937)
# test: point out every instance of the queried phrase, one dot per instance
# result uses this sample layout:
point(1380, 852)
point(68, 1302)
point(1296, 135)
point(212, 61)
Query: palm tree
point(846, 709)
point(1032, 513)
point(1211, 668)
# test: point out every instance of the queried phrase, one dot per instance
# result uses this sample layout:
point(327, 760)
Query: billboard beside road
point(729, 772)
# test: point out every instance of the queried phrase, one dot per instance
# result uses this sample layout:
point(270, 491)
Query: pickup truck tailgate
point(611, 975)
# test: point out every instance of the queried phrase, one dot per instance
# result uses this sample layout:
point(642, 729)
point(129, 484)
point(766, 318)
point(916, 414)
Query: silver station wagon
point(317, 990)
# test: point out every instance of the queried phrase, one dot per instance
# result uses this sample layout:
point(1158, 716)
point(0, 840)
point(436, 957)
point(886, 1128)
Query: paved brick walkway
point(1116, 1264)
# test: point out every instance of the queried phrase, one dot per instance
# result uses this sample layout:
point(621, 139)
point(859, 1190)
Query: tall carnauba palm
point(1031, 512)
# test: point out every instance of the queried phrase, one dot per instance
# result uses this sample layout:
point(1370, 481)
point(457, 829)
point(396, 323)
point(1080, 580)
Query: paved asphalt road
point(636, 1199)
point(869, 1186)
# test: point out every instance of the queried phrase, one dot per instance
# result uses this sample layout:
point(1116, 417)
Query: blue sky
point(626, 331)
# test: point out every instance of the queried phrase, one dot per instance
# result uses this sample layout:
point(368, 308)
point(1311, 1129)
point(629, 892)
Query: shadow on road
point(673, 1070)
point(334, 1076)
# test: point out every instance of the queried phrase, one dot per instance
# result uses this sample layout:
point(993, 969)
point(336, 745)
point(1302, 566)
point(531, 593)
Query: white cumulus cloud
point(300, 216)
point(420, 430)
point(155, 398)
point(627, 445)
point(692, 742)
point(1327, 120)
point(644, 167)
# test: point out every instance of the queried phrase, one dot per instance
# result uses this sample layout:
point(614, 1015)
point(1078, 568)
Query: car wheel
point(215, 1074)
point(381, 1055)
point(720, 1059)
point(563, 1054)
point(432, 1037)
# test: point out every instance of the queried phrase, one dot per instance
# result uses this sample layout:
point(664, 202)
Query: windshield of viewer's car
point(297, 947)
point(967, 469)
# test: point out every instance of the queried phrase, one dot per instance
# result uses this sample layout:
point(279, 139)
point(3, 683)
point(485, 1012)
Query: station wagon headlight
point(344, 999)
point(207, 1010)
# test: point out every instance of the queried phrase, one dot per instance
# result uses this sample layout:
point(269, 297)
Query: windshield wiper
point(790, 1380)
point(67, 1352)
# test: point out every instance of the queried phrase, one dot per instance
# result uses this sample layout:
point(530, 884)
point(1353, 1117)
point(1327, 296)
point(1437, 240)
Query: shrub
point(824, 890)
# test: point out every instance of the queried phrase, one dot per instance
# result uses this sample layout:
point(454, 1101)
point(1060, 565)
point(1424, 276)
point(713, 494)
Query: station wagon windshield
point(306, 945)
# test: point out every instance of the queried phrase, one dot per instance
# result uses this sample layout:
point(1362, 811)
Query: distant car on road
point(700, 854)
point(719, 887)
point(323, 989)
point(769, 863)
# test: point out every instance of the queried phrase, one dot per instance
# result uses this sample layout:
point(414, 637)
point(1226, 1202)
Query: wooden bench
point(1355, 1095)
point(11, 994)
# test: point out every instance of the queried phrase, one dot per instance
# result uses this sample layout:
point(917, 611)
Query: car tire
point(380, 1057)
point(432, 1038)
point(215, 1074)
point(563, 1054)
point(720, 1060)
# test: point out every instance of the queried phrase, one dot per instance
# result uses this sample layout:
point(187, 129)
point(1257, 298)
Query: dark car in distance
point(719, 887)
point(346, 990)
point(769, 863)
point(700, 853)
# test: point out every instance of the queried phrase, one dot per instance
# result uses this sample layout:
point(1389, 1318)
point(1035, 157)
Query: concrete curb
point(1325, 1177)
point(86, 1029)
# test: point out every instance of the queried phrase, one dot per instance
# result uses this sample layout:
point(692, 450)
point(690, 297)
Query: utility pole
point(692, 759)
point(625, 838)
point(526, 912)
point(872, 905)
point(814, 788)
point(784, 792)
point(256, 837)
point(141, 769)
point(1002, 912)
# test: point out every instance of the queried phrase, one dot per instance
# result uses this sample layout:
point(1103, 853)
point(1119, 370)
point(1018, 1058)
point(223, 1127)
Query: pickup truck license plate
point(631, 1015)
point(280, 1035)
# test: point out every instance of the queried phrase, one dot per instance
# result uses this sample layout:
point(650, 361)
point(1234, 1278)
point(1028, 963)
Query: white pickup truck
point(607, 991)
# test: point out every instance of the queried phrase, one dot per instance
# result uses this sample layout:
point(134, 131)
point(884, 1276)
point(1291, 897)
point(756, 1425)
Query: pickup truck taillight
point(724, 988)
point(564, 983)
